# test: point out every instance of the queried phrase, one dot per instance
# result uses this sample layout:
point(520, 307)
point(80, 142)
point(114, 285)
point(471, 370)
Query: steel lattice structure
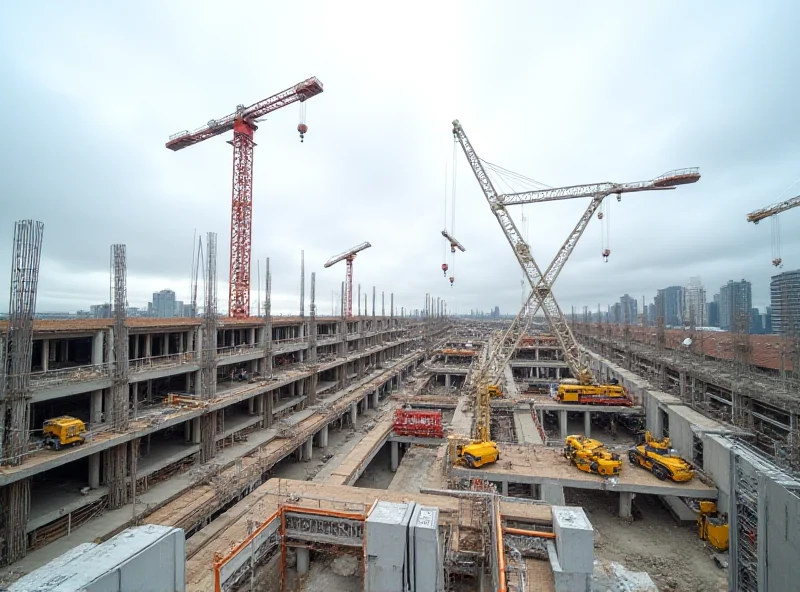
point(541, 284)
point(243, 123)
point(348, 256)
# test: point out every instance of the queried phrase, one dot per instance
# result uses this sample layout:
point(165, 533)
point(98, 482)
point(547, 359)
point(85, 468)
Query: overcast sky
point(562, 92)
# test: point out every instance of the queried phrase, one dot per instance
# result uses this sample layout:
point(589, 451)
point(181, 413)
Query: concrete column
point(625, 502)
point(303, 560)
point(562, 422)
point(251, 338)
point(353, 414)
point(148, 345)
point(268, 409)
point(504, 488)
point(94, 470)
point(308, 453)
point(196, 430)
point(97, 348)
point(165, 344)
point(301, 387)
point(107, 403)
point(187, 431)
point(552, 494)
point(188, 386)
point(376, 398)
point(96, 407)
point(682, 381)
point(45, 354)
point(447, 381)
point(322, 437)
point(198, 383)
point(395, 450)
point(251, 405)
point(587, 424)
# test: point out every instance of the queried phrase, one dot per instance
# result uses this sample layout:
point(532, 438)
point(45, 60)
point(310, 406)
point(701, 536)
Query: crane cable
point(453, 209)
point(777, 261)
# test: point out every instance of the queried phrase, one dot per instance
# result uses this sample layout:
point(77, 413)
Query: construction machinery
point(593, 394)
point(541, 295)
point(772, 212)
point(712, 525)
point(243, 123)
point(658, 457)
point(590, 456)
point(63, 431)
point(348, 256)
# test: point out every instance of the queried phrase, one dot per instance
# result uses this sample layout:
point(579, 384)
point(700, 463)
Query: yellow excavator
point(658, 457)
point(590, 456)
point(712, 525)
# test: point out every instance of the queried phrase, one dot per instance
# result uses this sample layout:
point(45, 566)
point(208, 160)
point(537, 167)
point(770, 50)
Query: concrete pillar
point(625, 502)
point(196, 430)
point(682, 381)
point(97, 348)
point(395, 450)
point(322, 437)
point(553, 494)
point(587, 424)
point(251, 405)
point(148, 345)
point(94, 470)
point(447, 381)
point(188, 387)
point(504, 488)
point(96, 407)
point(303, 560)
point(353, 414)
point(376, 398)
point(107, 404)
point(45, 354)
point(187, 431)
point(251, 338)
point(308, 453)
point(562, 422)
point(301, 387)
point(268, 405)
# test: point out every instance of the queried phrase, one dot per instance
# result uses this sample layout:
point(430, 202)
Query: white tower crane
point(768, 212)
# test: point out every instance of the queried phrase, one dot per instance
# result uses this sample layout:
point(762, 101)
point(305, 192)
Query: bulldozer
point(63, 431)
point(712, 525)
point(475, 453)
point(658, 457)
point(590, 456)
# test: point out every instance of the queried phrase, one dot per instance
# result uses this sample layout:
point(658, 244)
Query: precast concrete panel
point(149, 558)
point(425, 560)
point(387, 547)
point(783, 537)
point(717, 465)
point(574, 539)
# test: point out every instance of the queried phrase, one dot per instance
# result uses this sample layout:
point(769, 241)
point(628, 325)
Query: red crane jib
point(242, 122)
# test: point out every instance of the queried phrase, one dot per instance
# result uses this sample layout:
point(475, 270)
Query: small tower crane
point(243, 123)
point(768, 212)
point(348, 256)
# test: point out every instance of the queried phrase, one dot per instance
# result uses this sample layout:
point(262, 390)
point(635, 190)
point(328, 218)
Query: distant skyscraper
point(651, 314)
point(694, 303)
point(784, 291)
point(735, 304)
point(713, 312)
point(163, 305)
point(628, 311)
point(496, 312)
point(669, 305)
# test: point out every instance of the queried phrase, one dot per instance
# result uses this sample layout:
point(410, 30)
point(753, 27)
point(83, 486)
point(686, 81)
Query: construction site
point(384, 450)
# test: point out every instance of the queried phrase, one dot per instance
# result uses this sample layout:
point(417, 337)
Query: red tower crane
point(243, 123)
point(348, 256)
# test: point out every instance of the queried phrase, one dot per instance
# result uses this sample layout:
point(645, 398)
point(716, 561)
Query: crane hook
point(302, 128)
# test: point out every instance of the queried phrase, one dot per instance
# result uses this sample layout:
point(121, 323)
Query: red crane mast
point(348, 256)
point(243, 123)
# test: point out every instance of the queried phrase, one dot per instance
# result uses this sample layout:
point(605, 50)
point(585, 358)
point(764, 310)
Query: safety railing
point(237, 350)
point(69, 375)
point(160, 362)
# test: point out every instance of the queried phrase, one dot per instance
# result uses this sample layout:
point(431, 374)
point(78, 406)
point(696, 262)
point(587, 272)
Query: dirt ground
point(674, 557)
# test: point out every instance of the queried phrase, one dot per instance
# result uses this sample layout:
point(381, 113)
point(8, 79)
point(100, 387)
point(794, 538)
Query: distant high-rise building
point(694, 303)
point(768, 321)
point(615, 313)
point(100, 311)
point(628, 311)
point(669, 305)
point(651, 314)
point(713, 312)
point(784, 291)
point(756, 322)
point(496, 313)
point(163, 305)
point(735, 304)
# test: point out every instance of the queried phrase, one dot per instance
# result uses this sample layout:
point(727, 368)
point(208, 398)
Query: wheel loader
point(63, 431)
point(590, 456)
point(658, 457)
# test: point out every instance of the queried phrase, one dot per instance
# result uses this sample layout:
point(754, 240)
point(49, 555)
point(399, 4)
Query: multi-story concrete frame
point(71, 375)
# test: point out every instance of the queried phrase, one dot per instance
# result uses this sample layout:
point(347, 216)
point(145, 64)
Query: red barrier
point(422, 424)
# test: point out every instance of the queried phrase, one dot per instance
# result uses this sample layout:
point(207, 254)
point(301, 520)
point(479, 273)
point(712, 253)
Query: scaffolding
point(208, 368)
point(16, 387)
point(746, 509)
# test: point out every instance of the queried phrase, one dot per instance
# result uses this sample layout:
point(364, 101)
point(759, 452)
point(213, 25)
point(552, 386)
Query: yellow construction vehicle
point(712, 526)
point(590, 456)
point(495, 391)
point(593, 394)
point(63, 431)
point(658, 457)
point(480, 450)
